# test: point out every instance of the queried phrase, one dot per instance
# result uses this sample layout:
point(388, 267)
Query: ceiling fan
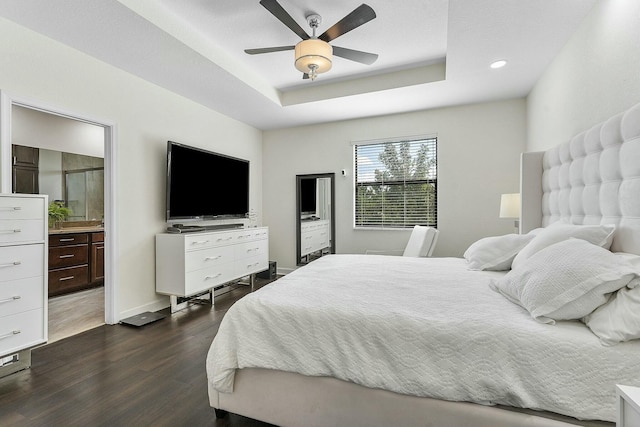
point(313, 55)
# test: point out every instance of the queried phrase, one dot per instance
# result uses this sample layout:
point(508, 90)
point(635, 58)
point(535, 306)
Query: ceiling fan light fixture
point(313, 57)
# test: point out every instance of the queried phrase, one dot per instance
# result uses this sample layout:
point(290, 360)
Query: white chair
point(421, 243)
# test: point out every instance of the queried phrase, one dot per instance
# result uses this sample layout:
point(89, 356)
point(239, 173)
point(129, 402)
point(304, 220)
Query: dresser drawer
point(67, 256)
point(19, 262)
point(21, 295)
point(15, 231)
point(97, 237)
point(208, 240)
point(16, 207)
point(68, 239)
point(67, 278)
point(21, 331)
point(251, 265)
point(207, 278)
point(250, 249)
point(196, 260)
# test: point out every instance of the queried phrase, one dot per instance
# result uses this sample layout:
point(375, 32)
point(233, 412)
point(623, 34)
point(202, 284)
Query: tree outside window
point(396, 184)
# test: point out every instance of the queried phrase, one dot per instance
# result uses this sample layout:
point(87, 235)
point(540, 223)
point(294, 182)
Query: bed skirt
point(290, 399)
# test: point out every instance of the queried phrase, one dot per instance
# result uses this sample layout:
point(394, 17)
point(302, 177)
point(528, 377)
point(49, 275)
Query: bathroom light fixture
point(313, 56)
point(498, 64)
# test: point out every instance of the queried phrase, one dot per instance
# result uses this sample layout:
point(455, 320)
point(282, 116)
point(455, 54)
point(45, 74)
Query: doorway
point(7, 103)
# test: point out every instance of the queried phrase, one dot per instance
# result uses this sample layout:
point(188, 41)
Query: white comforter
point(420, 326)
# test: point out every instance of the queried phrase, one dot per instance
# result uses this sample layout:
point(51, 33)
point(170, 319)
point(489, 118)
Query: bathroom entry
point(65, 160)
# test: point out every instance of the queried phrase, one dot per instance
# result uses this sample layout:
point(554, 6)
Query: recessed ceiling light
point(498, 64)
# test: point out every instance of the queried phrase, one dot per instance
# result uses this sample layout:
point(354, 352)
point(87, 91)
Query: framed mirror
point(315, 216)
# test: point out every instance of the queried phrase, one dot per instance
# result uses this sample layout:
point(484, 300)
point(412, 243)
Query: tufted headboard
point(592, 179)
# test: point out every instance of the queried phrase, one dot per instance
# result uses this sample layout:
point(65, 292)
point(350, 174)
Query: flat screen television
point(308, 196)
point(203, 185)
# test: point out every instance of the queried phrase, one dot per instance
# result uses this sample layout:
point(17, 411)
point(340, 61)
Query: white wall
point(595, 76)
point(35, 67)
point(479, 148)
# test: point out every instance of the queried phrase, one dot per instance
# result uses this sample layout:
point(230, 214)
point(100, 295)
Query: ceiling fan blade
point(278, 11)
point(268, 49)
point(355, 55)
point(360, 15)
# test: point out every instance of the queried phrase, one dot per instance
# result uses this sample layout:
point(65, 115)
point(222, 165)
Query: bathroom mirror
point(315, 216)
point(84, 194)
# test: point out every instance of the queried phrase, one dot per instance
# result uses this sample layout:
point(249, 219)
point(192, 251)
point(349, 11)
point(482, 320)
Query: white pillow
point(601, 235)
point(619, 319)
point(495, 253)
point(566, 280)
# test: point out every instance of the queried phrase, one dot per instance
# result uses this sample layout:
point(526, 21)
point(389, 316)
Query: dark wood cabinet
point(24, 169)
point(97, 257)
point(76, 261)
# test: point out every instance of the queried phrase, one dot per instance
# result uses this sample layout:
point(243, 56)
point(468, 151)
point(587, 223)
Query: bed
point(381, 340)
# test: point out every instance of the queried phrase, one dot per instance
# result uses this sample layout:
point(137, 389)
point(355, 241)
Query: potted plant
point(58, 212)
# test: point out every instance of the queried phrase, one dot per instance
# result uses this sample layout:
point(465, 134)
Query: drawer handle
point(66, 256)
point(66, 278)
point(220, 239)
point(13, 298)
point(68, 239)
point(12, 208)
point(11, 264)
point(255, 264)
point(252, 249)
point(10, 334)
point(200, 242)
point(211, 258)
point(215, 276)
point(15, 230)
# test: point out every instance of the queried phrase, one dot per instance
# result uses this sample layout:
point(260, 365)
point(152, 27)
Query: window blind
point(396, 183)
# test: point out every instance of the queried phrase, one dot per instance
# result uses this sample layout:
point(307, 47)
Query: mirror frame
point(332, 222)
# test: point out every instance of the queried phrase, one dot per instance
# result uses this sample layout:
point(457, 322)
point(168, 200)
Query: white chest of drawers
point(23, 272)
point(314, 236)
point(191, 263)
point(628, 406)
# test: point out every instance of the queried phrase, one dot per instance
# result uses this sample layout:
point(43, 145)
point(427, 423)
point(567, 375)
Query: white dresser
point(314, 236)
point(23, 272)
point(192, 263)
point(628, 406)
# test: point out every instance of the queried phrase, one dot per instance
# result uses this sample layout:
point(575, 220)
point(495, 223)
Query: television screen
point(205, 185)
point(308, 196)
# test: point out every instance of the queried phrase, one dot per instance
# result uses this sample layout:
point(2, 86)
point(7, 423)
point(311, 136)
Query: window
point(396, 183)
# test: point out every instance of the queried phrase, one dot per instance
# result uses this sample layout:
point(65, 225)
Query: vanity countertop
point(69, 230)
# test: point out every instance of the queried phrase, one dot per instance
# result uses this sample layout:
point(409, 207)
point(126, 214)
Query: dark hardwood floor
point(117, 375)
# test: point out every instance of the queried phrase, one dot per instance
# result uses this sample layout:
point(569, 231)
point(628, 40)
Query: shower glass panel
point(85, 194)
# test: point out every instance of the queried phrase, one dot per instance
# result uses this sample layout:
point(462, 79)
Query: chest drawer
point(250, 249)
point(21, 295)
point(64, 279)
point(15, 231)
point(196, 260)
point(16, 207)
point(68, 239)
point(207, 278)
point(66, 256)
point(202, 241)
point(19, 262)
point(252, 265)
point(21, 331)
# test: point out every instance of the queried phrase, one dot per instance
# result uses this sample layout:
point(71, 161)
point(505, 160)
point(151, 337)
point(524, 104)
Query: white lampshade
point(313, 52)
point(510, 205)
